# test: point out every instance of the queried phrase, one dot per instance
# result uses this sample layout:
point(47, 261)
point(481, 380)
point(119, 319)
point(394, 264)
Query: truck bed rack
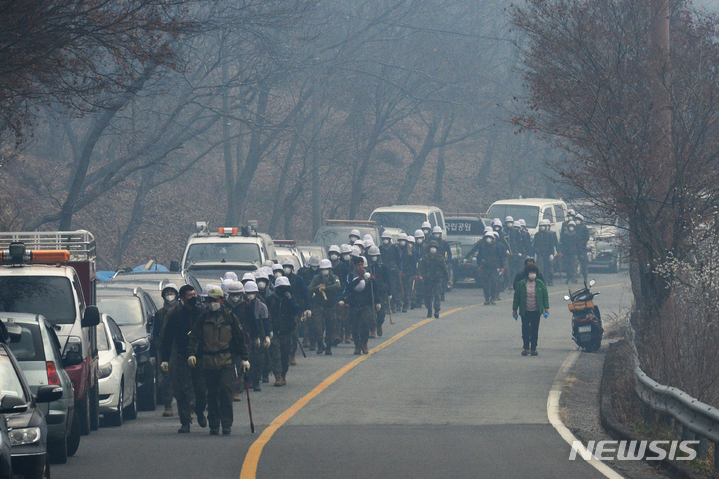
point(80, 243)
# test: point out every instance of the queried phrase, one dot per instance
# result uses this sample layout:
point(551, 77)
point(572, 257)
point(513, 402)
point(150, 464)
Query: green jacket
point(520, 297)
point(218, 337)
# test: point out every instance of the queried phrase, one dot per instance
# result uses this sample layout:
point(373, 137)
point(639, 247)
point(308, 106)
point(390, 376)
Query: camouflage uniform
point(282, 313)
point(158, 328)
point(433, 270)
point(359, 295)
point(219, 336)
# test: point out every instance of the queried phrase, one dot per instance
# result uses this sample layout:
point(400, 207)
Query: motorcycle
point(587, 329)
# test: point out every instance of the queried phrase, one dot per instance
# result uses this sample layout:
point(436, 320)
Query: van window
point(548, 215)
point(530, 214)
point(432, 220)
point(50, 296)
point(559, 213)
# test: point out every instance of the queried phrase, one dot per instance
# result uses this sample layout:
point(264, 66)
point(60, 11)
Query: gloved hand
point(245, 365)
point(268, 340)
point(378, 306)
point(551, 257)
point(341, 303)
point(164, 366)
point(308, 314)
point(272, 334)
point(389, 297)
point(153, 360)
point(192, 361)
point(257, 342)
point(288, 295)
point(464, 261)
point(367, 275)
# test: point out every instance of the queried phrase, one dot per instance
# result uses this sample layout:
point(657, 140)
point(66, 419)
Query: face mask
point(497, 228)
point(235, 298)
point(542, 228)
point(419, 240)
point(433, 250)
point(251, 297)
point(192, 302)
point(426, 231)
point(489, 240)
point(532, 276)
point(325, 272)
point(278, 274)
point(261, 285)
point(170, 298)
point(571, 228)
point(215, 306)
point(374, 259)
point(353, 239)
point(287, 270)
point(510, 225)
point(437, 235)
point(346, 257)
point(402, 242)
point(385, 241)
point(315, 268)
point(334, 257)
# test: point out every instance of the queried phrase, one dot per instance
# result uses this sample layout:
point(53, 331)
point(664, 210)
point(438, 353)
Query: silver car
point(38, 352)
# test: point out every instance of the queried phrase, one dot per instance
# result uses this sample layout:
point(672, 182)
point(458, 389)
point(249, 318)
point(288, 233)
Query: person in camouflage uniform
point(433, 272)
point(218, 335)
point(169, 295)
point(283, 309)
point(381, 275)
point(360, 296)
point(324, 289)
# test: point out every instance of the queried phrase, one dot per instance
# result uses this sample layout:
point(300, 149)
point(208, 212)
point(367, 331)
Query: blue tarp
point(105, 275)
point(154, 267)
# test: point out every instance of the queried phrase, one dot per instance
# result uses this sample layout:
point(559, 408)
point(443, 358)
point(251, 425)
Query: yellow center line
point(252, 459)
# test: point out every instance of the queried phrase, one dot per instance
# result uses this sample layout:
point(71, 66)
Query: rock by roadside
point(580, 412)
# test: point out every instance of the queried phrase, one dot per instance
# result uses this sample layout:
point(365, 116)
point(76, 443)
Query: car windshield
point(125, 311)
point(50, 296)
point(102, 343)
point(464, 227)
point(530, 214)
point(29, 347)
point(223, 253)
point(409, 222)
point(329, 235)
point(10, 384)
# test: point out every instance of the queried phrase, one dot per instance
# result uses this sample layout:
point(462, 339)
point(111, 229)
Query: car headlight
point(141, 345)
point(27, 435)
point(105, 370)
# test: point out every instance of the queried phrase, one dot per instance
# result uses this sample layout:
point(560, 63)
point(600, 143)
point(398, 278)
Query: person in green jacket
point(531, 299)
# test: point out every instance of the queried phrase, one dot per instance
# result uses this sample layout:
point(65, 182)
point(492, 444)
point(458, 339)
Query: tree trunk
point(279, 206)
point(439, 179)
point(414, 171)
point(136, 219)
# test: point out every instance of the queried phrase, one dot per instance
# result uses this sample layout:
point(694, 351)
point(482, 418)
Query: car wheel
point(95, 408)
point(57, 450)
point(131, 410)
point(115, 419)
point(73, 441)
point(83, 413)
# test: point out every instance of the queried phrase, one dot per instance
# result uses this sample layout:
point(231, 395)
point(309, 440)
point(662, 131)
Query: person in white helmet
point(302, 296)
point(488, 261)
point(570, 246)
point(234, 297)
point(433, 272)
point(515, 248)
point(346, 255)
point(325, 289)
point(526, 237)
point(583, 237)
point(421, 244)
point(354, 236)
point(230, 275)
point(390, 258)
point(380, 273)
point(283, 311)
point(170, 300)
point(444, 250)
point(310, 269)
point(545, 247)
point(571, 214)
point(359, 244)
point(368, 240)
point(408, 270)
point(255, 320)
point(360, 295)
point(426, 229)
point(247, 277)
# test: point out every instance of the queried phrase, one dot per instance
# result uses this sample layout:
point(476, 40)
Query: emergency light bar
point(228, 231)
point(17, 254)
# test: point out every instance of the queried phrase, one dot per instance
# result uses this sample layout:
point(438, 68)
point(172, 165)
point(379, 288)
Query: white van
point(532, 211)
point(409, 217)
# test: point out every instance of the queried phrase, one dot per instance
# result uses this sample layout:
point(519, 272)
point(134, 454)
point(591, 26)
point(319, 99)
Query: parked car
point(606, 235)
point(463, 231)
point(5, 453)
point(311, 249)
point(27, 429)
point(118, 371)
point(134, 310)
point(409, 218)
point(37, 349)
point(532, 211)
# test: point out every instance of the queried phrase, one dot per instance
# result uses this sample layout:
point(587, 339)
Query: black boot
point(321, 347)
point(328, 350)
point(436, 313)
point(429, 313)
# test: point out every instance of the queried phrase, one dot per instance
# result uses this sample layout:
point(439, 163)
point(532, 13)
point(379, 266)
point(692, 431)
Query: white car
point(118, 368)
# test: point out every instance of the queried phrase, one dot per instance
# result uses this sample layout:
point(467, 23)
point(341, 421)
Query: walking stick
point(297, 339)
point(249, 405)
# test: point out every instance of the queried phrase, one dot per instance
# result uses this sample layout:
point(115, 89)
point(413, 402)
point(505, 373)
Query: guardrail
point(696, 417)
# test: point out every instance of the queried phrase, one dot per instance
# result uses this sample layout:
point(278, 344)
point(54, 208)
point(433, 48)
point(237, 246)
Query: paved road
point(452, 398)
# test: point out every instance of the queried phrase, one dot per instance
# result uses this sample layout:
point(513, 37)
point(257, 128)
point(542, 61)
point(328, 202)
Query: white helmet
point(426, 225)
point(495, 234)
point(225, 285)
point(489, 234)
point(282, 281)
point(206, 289)
point(571, 223)
point(359, 243)
point(251, 287)
point(368, 243)
point(387, 235)
point(334, 249)
point(344, 249)
point(488, 229)
point(368, 237)
point(277, 267)
point(419, 234)
point(287, 262)
point(544, 222)
point(402, 236)
point(325, 264)
point(579, 216)
point(509, 219)
point(524, 223)
point(437, 229)
point(571, 212)
point(497, 222)
point(248, 277)
point(268, 263)
point(313, 261)
point(356, 251)
point(230, 275)
point(355, 233)
point(260, 274)
point(236, 287)
point(374, 251)
point(410, 239)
